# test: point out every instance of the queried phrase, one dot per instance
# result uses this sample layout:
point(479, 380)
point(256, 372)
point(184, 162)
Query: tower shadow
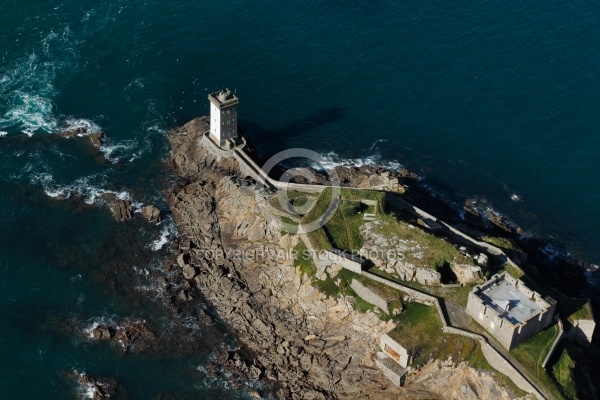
point(296, 128)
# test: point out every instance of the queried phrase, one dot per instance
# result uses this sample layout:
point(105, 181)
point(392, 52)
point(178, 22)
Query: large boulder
point(151, 213)
point(467, 273)
point(428, 277)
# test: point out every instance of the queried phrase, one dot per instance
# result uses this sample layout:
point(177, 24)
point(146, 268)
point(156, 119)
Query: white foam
point(89, 187)
point(167, 232)
point(3, 133)
point(96, 322)
point(551, 251)
point(114, 152)
point(26, 85)
point(332, 160)
point(89, 126)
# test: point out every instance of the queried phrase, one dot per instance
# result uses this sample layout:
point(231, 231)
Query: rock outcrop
point(298, 342)
point(126, 334)
point(121, 209)
point(95, 388)
point(96, 138)
point(151, 213)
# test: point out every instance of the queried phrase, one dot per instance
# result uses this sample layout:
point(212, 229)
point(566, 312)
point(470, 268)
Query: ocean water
point(483, 99)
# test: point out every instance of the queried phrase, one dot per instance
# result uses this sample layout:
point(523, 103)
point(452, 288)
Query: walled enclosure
point(509, 310)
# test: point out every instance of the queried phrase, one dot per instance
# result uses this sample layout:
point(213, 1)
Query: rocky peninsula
point(299, 342)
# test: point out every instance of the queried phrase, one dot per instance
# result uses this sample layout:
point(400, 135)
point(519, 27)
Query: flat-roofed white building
point(509, 310)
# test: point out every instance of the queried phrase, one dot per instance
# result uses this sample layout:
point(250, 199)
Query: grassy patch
point(360, 304)
point(512, 270)
point(419, 330)
point(563, 374)
point(328, 287)
point(302, 260)
point(531, 354)
point(299, 200)
point(507, 245)
point(431, 250)
point(343, 229)
point(353, 194)
point(503, 243)
point(292, 226)
point(574, 309)
point(320, 207)
point(319, 240)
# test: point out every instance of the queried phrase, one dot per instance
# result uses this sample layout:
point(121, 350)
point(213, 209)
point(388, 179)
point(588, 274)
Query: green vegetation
point(319, 240)
point(419, 328)
point(507, 245)
point(360, 304)
point(292, 225)
point(574, 309)
point(299, 200)
point(431, 250)
point(343, 229)
point(563, 372)
point(531, 354)
point(303, 261)
point(512, 270)
point(503, 243)
point(320, 207)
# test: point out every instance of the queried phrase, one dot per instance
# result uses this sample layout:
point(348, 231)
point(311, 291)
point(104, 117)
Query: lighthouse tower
point(223, 116)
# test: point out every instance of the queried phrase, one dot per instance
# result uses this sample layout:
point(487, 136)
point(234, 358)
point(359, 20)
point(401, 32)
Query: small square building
point(508, 310)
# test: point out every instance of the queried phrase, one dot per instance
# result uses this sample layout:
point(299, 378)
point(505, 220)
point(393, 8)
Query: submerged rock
point(120, 209)
point(126, 333)
point(95, 388)
point(96, 138)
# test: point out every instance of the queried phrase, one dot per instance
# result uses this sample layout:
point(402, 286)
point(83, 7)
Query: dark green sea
point(483, 99)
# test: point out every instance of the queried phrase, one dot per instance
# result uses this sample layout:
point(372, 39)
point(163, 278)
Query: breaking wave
point(332, 160)
point(88, 187)
point(26, 86)
point(166, 234)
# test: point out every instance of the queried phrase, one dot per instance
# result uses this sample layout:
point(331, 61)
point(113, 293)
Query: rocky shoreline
point(297, 342)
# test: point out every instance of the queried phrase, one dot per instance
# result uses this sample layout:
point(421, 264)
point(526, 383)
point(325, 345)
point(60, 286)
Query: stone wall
point(559, 337)
point(498, 361)
point(369, 295)
point(336, 257)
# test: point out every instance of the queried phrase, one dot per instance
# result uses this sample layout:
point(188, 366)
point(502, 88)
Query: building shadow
point(299, 127)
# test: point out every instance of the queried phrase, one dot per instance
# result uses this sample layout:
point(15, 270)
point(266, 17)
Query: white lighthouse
point(223, 116)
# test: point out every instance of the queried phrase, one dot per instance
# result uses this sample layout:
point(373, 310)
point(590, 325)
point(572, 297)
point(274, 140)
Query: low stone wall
point(560, 336)
point(337, 257)
point(369, 295)
point(448, 229)
point(496, 359)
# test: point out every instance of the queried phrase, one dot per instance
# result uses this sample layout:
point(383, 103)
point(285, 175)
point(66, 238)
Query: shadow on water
point(299, 127)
